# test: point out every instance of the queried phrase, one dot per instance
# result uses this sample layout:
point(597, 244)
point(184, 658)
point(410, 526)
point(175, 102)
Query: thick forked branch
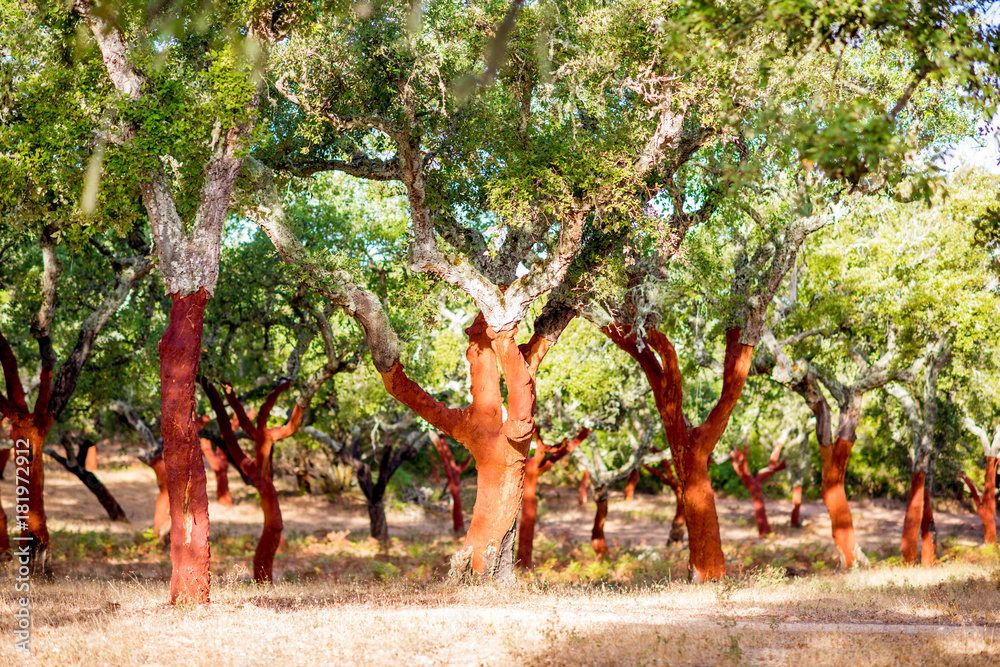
point(15, 400)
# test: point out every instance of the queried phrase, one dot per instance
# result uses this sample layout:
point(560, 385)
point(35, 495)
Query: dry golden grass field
point(343, 600)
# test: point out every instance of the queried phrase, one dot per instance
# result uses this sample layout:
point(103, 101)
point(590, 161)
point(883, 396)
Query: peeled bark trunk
point(706, 560)
point(91, 462)
point(835, 459)
point(529, 510)
point(633, 481)
point(796, 506)
point(161, 512)
point(755, 483)
point(453, 473)
point(928, 534)
point(494, 516)
point(597, 540)
point(5, 554)
point(584, 482)
point(36, 532)
point(270, 535)
point(219, 464)
point(912, 520)
point(180, 349)
point(691, 448)
point(986, 505)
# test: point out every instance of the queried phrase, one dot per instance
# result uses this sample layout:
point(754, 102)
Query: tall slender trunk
point(584, 482)
point(835, 459)
point(796, 506)
point(633, 481)
point(597, 540)
point(529, 510)
point(928, 534)
point(270, 535)
point(219, 464)
point(912, 520)
point(180, 349)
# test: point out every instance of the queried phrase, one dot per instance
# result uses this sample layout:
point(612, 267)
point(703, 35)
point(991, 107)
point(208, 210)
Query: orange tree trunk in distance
point(597, 540)
point(796, 506)
point(987, 505)
point(928, 535)
point(219, 464)
point(499, 446)
point(755, 483)
point(633, 481)
point(584, 482)
point(543, 459)
point(691, 448)
point(180, 349)
point(453, 473)
point(666, 475)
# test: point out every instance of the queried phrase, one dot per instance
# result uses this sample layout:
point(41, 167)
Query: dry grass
point(891, 615)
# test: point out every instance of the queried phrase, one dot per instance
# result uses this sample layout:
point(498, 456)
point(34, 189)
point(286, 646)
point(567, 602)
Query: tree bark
point(755, 483)
point(220, 467)
point(180, 349)
point(835, 459)
point(584, 482)
point(161, 512)
point(796, 520)
point(691, 448)
point(928, 534)
point(91, 463)
point(543, 459)
point(597, 540)
point(912, 519)
point(453, 473)
point(378, 524)
point(986, 505)
point(633, 481)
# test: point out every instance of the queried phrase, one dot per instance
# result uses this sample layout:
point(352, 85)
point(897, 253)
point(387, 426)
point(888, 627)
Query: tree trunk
point(91, 463)
point(378, 524)
point(5, 554)
point(678, 528)
point(796, 506)
point(584, 481)
point(706, 560)
point(270, 536)
point(754, 484)
point(988, 507)
point(180, 349)
point(912, 520)
point(835, 459)
point(499, 484)
point(633, 481)
point(928, 534)
point(219, 464)
point(35, 532)
point(90, 480)
point(597, 533)
point(529, 510)
point(161, 512)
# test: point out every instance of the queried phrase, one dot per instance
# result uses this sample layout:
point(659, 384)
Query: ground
point(343, 599)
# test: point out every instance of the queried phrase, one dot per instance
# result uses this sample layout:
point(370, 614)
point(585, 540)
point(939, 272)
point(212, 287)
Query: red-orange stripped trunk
point(180, 349)
point(691, 448)
point(986, 506)
point(584, 482)
point(5, 554)
point(161, 511)
point(258, 469)
point(835, 459)
point(453, 473)
point(499, 445)
point(543, 459)
point(597, 540)
point(219, 464)
point(912, 520)
point(755, 483)
point(633, 481)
